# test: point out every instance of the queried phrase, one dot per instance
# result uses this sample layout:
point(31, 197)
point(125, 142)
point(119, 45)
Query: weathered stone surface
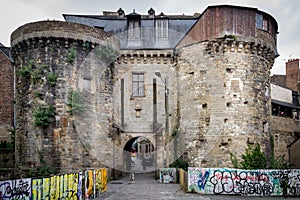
point(235, 99)
point(65, 145)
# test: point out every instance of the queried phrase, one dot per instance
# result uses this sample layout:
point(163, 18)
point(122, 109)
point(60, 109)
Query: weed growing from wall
point(37, 94)
point(106, 53)
point(75, 102)
point(31, 70)
point(35, 75)
point(42, 170)
point(43, 116)
point(71, 56)
point(52, 79)
point(25, 71)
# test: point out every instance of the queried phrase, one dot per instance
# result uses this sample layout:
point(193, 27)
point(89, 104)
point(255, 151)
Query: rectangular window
point(265, 24)
point(138, 88)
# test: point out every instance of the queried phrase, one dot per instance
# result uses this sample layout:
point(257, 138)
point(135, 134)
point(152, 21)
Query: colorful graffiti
point(167, 175)
point(66, 186)
point(101, 181)
point(56, 187)
point(15, 189)
point(244, 182)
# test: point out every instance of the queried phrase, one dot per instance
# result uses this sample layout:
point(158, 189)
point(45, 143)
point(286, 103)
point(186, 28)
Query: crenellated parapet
point(146, 57)
point(51, 35)
point(59, 29)
point(236, 44)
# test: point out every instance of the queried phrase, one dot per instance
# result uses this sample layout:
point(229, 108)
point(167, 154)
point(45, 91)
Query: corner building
point(196, 86)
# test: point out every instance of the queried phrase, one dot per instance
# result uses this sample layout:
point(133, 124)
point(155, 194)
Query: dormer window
point(121, 13)
point(151, 13)
point(134, 25)
point(134, 29)
point(161, 28)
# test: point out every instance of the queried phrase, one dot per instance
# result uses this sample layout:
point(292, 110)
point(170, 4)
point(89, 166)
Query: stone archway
point(139, 155)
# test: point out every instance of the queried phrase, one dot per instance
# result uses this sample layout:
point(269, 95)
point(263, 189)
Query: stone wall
point(285, 132)
point(145, 116)
point(79, 92)
point(224, 97)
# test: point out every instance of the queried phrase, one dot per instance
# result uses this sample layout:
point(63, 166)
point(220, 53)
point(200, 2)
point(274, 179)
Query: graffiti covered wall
point(244, 182)
point(15, 189)
point(167, 175)
point(72, 186)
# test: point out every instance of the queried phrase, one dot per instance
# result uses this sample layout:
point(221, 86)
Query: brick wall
point(6, 96)
point(292, 74)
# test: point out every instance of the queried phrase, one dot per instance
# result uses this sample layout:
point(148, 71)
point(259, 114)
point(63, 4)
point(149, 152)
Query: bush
point(180, 163)
point(255, 159)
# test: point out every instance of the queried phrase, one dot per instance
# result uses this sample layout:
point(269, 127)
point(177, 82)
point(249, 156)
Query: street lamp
point(165, 82)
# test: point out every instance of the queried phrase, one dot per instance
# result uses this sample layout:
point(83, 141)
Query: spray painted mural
point(15, 189)
point(244, 182)
point(66, 186)
point(167, 175)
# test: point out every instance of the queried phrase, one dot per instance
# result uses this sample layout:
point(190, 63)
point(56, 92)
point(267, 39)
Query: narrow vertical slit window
point(138, 87)
point(87, 84)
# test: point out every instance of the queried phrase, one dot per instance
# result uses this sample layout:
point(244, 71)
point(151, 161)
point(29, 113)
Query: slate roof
point(6, 51)
point(178, 26)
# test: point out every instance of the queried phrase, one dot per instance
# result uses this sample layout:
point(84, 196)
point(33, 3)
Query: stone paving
point(145, 187)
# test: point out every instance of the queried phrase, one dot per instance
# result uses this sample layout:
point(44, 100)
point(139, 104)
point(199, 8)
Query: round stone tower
point(224, 85)
point(64, 79)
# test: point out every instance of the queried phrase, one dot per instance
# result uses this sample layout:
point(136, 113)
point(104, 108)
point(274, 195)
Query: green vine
point(71, 56)
point(43, 116)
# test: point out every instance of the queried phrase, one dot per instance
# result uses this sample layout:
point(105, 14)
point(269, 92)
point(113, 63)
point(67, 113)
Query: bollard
point(131, 178)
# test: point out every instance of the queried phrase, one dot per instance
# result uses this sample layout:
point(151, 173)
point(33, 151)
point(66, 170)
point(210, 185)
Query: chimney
point(292, 74)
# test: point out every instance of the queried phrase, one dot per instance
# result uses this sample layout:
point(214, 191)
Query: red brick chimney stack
point(292, 74)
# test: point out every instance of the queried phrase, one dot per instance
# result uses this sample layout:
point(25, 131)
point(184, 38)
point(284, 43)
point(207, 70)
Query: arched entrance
point(139, 155)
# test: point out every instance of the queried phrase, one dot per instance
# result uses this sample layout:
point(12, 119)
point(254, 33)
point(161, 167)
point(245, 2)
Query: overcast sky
point(14, 13)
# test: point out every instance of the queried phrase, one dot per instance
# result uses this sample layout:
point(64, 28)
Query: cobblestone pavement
point(146, 187)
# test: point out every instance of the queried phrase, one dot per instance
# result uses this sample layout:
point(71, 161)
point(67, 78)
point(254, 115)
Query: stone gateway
point(135, 92)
